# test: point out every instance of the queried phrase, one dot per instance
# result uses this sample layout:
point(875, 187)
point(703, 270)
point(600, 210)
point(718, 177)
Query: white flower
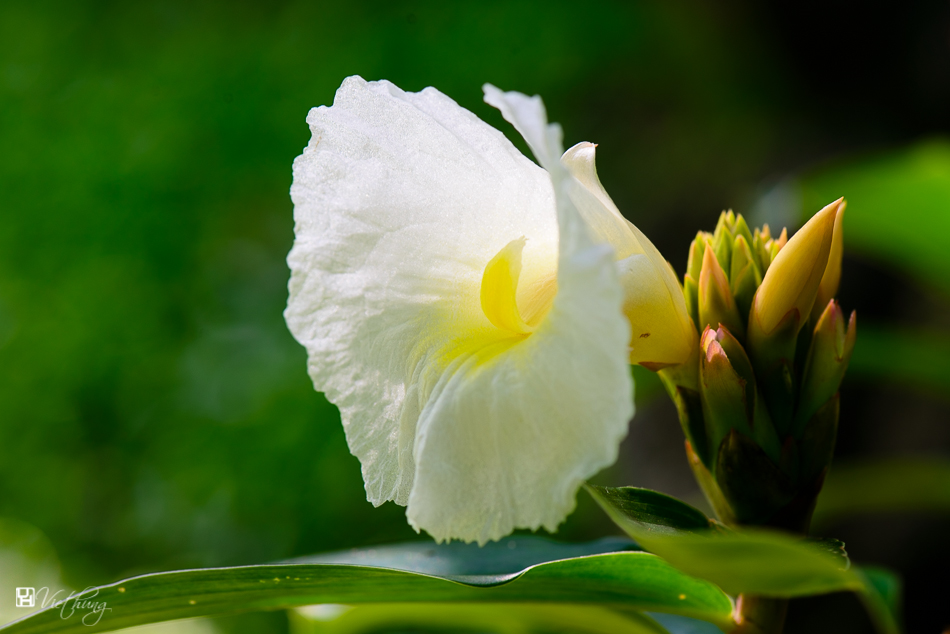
point(462, 308)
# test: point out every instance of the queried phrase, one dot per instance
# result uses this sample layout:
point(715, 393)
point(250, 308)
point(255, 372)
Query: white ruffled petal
point(506, 443)
point(401, 201)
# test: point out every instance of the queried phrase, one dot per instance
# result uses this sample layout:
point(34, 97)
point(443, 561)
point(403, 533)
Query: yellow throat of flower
point(500, 293)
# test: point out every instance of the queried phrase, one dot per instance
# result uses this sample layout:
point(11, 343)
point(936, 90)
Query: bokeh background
point(154, 411)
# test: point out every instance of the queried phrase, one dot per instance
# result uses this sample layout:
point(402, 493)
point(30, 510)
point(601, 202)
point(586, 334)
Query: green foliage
point(746, 561)
point(626, 580)
point(155, 411)
point(644, 514)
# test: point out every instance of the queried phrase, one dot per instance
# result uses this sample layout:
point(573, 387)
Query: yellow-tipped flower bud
point(783, 305)
point(760, 424)
point(831, 279)
point(792, 280)
point(694, 266)
point(776, 244)
point(744, 276)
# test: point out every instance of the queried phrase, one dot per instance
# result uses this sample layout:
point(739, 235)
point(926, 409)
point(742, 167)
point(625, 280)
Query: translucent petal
point(661, 332)
point(524, 429)
point(401, 203)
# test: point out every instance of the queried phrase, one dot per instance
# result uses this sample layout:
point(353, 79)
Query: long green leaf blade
point(634, 580)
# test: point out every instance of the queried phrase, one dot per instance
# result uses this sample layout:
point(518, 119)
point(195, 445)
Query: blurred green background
point(155, 412)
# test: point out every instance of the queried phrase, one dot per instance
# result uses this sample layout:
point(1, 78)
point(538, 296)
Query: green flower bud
point(759, 238)
point(694, 266)
point(691, 294)
point(726, 406)
point(696, 251)
point(730, 400)
point(758, 399)
point(744, 276)
point(722, 239)
point(765, 247)
point(742, 229)
point(825, 365)
point(716, 304)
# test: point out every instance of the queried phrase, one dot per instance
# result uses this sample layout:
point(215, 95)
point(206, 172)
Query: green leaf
point(642, 512)
point(431, 573)
point(759, 562)
point(752, 561)
point(882, 486)
point(501, 618)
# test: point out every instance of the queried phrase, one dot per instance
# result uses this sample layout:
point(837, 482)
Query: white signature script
point(82, 603)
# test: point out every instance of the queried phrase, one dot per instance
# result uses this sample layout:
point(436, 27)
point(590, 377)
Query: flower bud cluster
point(759, 398)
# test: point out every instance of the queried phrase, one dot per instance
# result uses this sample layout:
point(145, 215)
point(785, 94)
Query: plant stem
point(760, 615)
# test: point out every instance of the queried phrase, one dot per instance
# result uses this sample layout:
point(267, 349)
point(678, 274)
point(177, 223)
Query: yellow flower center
point(500, 292)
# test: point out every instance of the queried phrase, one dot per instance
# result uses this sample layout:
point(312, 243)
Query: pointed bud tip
point(711, 268)
point(782, 238)
point(716, 303)
point(793, 278)
point(829, 213)
point(831, 279)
